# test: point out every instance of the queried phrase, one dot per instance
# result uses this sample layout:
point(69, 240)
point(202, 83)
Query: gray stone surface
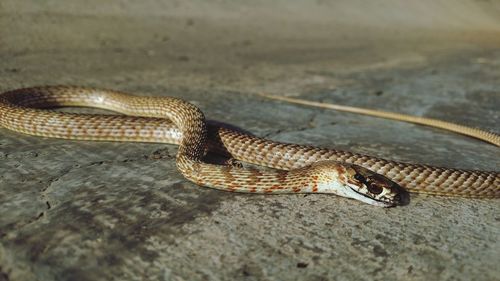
point(120, 211)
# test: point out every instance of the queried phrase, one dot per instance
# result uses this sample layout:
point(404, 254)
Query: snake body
point(21, 111)
point(170, 120)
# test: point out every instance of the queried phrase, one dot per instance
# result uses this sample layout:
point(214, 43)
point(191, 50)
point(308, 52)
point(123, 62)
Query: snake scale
point(298, 168)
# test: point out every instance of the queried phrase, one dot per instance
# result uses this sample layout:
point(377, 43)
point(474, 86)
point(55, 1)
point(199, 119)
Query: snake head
point(374, 189)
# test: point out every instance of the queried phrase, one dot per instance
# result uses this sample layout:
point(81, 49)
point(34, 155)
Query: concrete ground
point(121, 211)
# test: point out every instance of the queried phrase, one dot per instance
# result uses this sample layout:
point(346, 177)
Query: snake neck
point(192, 124)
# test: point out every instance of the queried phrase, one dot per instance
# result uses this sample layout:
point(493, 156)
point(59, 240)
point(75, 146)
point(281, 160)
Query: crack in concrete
point(44, 191)
point(158, 154)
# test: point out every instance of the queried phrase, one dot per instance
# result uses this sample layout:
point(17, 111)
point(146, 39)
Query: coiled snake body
point(171, 120)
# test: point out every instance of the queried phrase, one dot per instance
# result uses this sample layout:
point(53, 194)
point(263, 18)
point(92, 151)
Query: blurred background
point(276, 46)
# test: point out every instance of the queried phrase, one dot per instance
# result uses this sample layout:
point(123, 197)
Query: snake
point(477, 133)
point(294, 168)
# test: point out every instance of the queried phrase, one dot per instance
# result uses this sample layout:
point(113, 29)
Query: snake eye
point(359, 178)
point(375, 189)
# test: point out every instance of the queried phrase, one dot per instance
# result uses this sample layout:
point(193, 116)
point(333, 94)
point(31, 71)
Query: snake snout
point(402, 198)
point(397, 199)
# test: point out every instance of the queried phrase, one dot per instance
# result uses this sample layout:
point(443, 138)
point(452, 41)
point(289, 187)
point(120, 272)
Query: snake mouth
point(378, 202)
